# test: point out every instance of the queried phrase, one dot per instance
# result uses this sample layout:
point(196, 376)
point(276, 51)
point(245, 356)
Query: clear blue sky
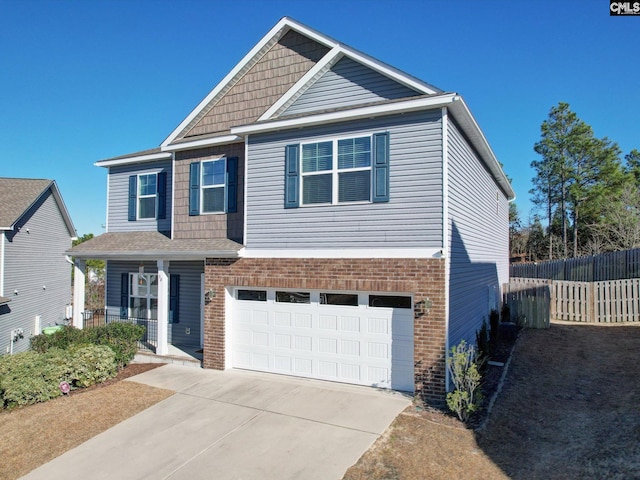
point(81, 81)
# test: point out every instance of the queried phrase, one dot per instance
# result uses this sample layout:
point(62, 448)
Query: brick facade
point(424, 278)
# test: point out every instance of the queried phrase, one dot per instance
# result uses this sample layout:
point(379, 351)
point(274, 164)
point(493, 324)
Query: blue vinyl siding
point(411, 218)
point(36, 268)
point(118, 199)
point(478, 239)
point(348, 83)
point(188, 296)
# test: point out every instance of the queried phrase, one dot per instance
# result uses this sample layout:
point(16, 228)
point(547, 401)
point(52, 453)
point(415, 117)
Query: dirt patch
point(568, 409)
point(34, 435)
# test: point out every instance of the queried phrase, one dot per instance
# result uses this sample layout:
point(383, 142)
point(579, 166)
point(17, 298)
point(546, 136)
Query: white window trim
point(140, 196)
point(335, 171)
point(204, 187)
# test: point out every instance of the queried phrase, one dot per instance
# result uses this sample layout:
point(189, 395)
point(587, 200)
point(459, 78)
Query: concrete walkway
point(235, 425)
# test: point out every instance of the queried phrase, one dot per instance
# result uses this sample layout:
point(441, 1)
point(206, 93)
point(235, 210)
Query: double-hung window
point(337, 171)
point(332, 172)
point(147, 191)
point(147, 196)
point(213, 185)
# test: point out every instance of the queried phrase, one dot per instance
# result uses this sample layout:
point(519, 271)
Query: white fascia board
point(205, 142)
point(329, 59)
point(63, 210)
point(282, 24)
point(471, 128)
point(389, 71)
point(137, 159)
point(307, 31)
point(352, 114)
point(341, 253)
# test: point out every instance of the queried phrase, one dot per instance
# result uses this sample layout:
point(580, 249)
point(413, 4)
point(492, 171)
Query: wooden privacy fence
point(540, 300)
point(594, 268)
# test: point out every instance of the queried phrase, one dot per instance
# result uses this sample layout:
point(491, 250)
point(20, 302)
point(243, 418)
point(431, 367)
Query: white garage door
point(353, 337)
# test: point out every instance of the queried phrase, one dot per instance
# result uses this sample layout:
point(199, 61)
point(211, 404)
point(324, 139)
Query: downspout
point(445, 234)
point(173, 190)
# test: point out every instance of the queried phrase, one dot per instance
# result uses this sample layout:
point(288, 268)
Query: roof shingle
point(17, 195)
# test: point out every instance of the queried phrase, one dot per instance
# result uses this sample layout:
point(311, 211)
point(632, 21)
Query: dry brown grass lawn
point(34, 435)
point(569, 409)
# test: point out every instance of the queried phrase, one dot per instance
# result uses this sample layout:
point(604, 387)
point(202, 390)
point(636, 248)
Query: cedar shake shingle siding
point(260, 87)
point(214, 225)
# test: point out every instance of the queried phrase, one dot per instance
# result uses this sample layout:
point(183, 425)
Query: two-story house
point(319, 214)
point(35, 277)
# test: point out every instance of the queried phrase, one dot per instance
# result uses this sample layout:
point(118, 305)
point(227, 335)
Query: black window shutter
point(162, 195)
point(381, 167)
point(124, 295)
point(174, 291)
point(194, 189)
point(133, 196)
point(232, 185)
point(292, 176)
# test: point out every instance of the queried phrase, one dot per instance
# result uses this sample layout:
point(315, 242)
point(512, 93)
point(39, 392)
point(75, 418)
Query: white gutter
point(352, 114)
point(136, 159)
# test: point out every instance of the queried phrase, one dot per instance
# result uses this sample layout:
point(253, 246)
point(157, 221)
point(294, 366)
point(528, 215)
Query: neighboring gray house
point(35, 276)
point(319, 214)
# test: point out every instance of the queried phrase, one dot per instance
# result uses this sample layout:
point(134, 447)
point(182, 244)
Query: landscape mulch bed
point(34, 435)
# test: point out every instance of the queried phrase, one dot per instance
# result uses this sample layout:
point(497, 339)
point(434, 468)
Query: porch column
point(163, 307)
point(79, 268)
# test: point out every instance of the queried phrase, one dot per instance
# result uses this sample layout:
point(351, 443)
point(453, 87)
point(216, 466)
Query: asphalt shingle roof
point(17, 195)
point(151, 245)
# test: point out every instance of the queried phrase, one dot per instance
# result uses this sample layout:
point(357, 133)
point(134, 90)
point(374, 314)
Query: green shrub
point(31, 377)
point(465, 374)
point(91, 364)
point(122, 338)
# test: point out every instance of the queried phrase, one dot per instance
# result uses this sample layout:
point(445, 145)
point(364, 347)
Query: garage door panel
point(352, 344)
point(328, 322)
point(378, 326)
point(302, 320)
point(350, 324)
point(350, 347)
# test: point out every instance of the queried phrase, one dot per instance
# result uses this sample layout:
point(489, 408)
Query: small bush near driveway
point(122, 338)
point(30, 377)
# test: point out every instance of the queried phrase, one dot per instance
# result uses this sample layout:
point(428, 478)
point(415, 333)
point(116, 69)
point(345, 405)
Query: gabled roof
point(334, 52)
point(18, 195)
point(152, 245)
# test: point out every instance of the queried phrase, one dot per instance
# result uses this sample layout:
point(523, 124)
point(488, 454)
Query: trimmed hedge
point(122, 338)
point(31, 377)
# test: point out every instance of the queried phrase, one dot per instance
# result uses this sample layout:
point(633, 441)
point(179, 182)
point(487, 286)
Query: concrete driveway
point(235, 425)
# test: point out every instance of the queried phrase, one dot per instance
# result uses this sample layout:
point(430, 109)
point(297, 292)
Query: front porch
point(179, 354)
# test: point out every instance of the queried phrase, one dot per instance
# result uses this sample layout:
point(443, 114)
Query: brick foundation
point(424, 278)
